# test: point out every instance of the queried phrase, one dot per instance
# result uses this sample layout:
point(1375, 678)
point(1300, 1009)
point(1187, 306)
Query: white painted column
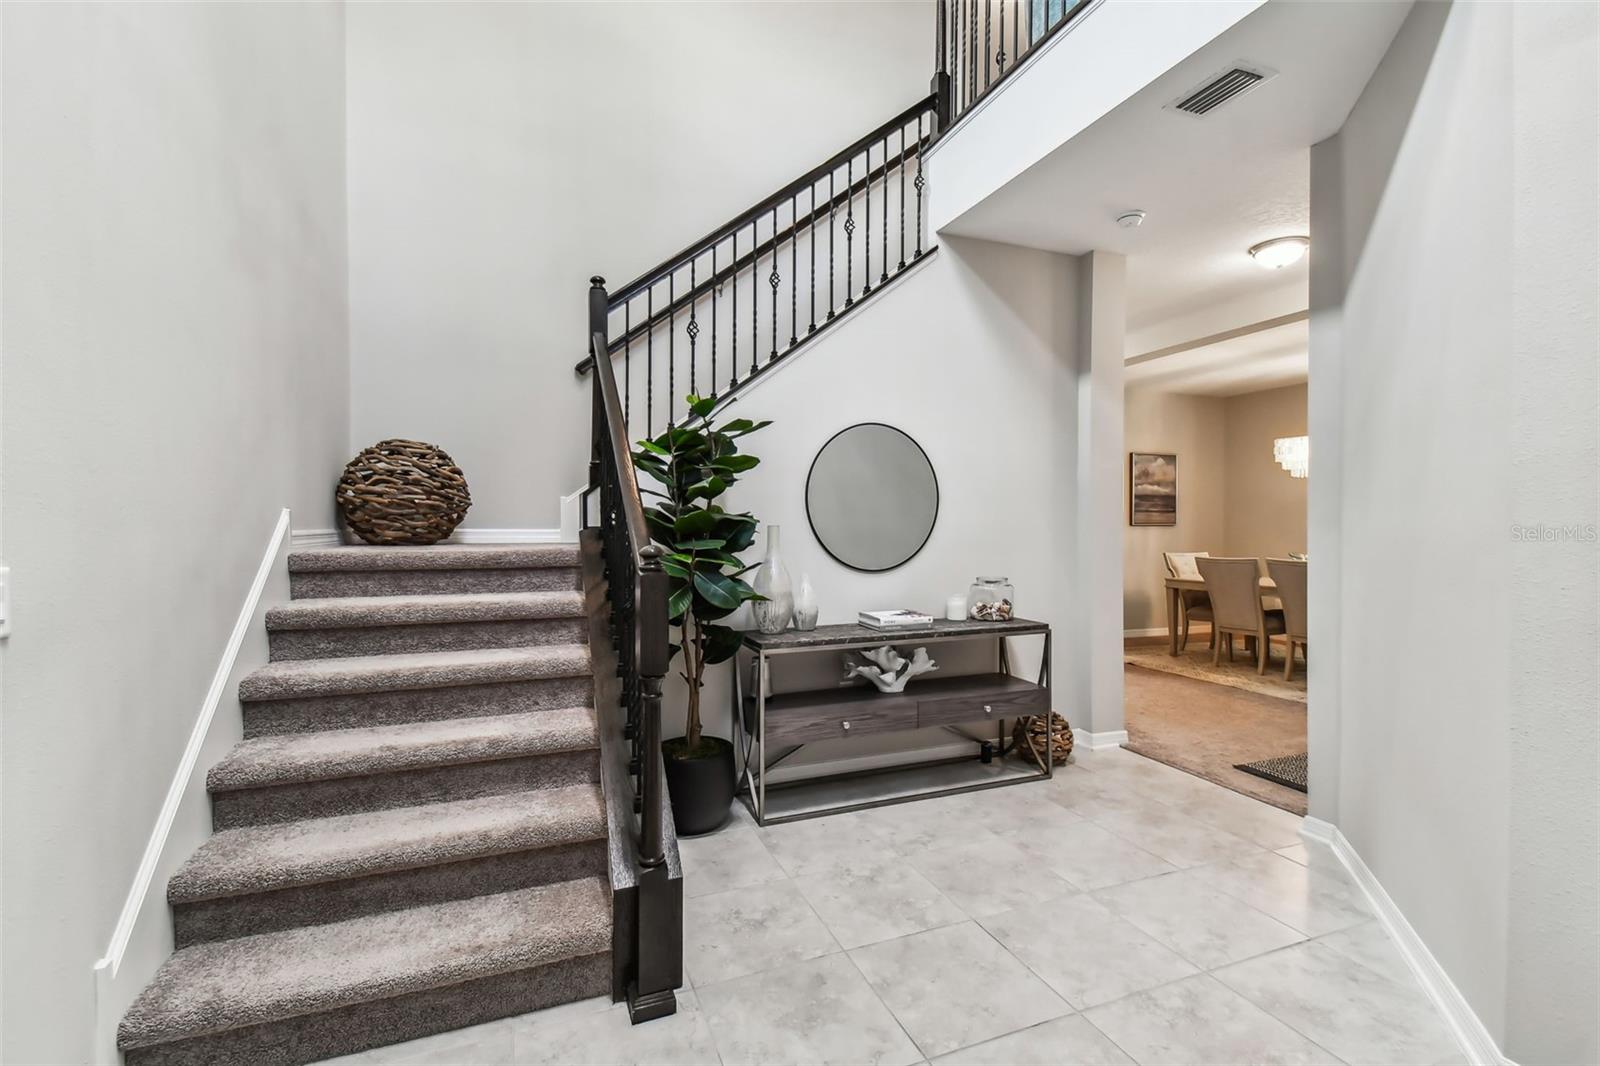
point(1101, 468)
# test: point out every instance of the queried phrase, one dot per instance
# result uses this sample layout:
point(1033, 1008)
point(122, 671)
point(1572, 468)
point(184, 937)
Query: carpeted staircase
point(411, 836)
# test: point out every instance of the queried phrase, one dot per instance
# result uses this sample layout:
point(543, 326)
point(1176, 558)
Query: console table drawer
point(1016, 702)
point(804, 725)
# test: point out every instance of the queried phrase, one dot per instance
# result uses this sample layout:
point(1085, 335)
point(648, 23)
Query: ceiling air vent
point(1219, 90)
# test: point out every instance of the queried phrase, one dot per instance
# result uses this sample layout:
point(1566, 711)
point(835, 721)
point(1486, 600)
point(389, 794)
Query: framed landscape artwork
point(1152, 489)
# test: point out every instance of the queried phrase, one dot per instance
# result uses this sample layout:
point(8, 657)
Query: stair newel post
point(598, 311)
point(659, 961)
point(940, 86)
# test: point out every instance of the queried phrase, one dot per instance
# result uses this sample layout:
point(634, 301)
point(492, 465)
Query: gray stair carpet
point(411, 838)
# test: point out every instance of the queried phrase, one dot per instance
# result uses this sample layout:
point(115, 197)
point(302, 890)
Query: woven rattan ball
point(1031, 735)
point(403, 492)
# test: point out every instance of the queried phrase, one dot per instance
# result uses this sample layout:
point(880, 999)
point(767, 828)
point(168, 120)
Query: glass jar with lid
point(990, 600)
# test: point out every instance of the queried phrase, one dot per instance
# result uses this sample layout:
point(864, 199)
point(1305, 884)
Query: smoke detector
point(1131, 219)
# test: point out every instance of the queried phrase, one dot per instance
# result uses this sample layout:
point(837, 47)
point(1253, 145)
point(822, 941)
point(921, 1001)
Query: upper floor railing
point(731, 305)
point(979, 43)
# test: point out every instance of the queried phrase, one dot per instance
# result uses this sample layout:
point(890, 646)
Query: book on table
point(897, 619)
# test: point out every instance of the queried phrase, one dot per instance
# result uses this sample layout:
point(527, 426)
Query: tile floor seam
point(890, 1010)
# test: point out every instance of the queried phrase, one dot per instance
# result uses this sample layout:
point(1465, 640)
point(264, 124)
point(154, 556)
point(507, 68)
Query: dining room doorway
point(1214, 559)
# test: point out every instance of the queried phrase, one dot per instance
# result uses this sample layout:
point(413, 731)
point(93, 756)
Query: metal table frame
point(754, 780)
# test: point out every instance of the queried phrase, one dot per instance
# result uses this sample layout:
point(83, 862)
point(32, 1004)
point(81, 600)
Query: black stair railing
point(979, 43)
point(733, 304)
point(636, 590)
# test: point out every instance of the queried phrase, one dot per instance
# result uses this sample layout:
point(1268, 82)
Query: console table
point(773, 727)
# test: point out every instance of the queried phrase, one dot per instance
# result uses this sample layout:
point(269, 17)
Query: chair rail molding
point(142, 936)
point(1476, 1043)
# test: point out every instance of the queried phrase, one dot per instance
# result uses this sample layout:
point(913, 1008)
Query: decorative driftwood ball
point(1031, 735)
point(403, 492)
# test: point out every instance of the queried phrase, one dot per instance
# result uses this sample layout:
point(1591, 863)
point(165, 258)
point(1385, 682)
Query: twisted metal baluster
point(866, 244)
point(903, 194)
point(650, 362)
point(693, 328)
point(813, 241)
point(774, 280)
point(884, 265)
point(794, 274)
point(755, 298)
point(627, 361)
point(987, 61)
point(672, 345)
point(849, 230)
point(733, 330)
point(1001, 37)
point(716, 291)
point(919, 183)
point(831, 227)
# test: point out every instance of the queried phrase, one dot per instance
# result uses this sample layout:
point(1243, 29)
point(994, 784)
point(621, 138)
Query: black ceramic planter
point(701, 788)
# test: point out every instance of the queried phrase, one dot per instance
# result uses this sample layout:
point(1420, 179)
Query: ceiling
point(1264, 359)
point(1211, 186)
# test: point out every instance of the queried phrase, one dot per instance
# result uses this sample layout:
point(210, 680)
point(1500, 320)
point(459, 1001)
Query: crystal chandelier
point(1293, 454)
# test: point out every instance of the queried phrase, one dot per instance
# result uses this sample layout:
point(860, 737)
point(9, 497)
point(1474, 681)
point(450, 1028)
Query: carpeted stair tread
point(435, 557)
point(265, 858)
point(290, 758)
point(299, 678)
point(223, 985)
point(348, 612)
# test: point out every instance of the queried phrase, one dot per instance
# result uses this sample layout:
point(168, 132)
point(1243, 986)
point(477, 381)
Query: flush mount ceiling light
point(1131, 219)
point(1293, 454)
point(1280, 251)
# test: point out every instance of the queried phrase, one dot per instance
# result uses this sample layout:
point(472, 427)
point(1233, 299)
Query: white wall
point(500, 154)
point(1002, 346)
point(1190, 427)
point(176, 373)
point(1105, 55)
point(1452, 404)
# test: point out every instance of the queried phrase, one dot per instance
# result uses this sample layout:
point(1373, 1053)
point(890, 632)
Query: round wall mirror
point(872, 497)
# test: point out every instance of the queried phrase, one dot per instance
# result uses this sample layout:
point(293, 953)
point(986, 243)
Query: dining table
point(1177, 585)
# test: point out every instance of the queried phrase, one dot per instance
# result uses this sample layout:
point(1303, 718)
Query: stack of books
point(892, 620)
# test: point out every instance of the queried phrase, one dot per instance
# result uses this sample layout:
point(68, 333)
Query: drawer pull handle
point(846, 727)
point(988, 709)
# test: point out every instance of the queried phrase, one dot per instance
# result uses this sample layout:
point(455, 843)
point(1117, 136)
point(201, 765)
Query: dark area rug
point(1290, 770)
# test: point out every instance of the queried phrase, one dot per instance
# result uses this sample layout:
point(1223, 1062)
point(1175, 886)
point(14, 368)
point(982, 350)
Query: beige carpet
point(1204, 729)
point(1195, 662)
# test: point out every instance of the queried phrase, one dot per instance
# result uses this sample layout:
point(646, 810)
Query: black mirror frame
point(937, 497)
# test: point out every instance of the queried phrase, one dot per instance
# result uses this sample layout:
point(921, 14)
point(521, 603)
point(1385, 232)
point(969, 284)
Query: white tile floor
point(1123, 912)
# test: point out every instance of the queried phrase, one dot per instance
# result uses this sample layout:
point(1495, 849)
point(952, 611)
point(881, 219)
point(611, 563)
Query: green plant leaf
point(695, 523)
point(719, 590)
point(710, 488)
point(677, 603)
point(735, 464)
point(701, 543)
point(701, 406)
point(720, 643)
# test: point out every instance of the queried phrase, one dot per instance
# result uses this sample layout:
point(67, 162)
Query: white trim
point(1469, 1032)
point(1157, 631)
point(302, 539)
point(993, 95)
point(505, 536)
point(1113, 738)
point(107, 966)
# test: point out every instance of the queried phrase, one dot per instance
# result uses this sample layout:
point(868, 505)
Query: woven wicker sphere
point(1031, 735)
point(403, 492)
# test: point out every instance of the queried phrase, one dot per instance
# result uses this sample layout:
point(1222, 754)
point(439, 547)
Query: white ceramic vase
point(772, 614)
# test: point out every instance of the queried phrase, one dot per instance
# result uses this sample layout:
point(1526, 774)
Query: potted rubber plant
point(695, 463)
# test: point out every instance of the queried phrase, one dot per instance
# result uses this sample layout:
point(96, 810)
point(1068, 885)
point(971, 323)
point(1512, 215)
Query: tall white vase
point(772, 581)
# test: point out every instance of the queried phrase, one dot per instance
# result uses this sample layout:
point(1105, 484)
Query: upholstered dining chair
point(1235, 589)
point(1192, 603)
point(1290, 577)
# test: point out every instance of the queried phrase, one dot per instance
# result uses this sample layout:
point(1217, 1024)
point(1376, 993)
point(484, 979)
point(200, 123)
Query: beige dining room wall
point(1263, 508)
point(1193, 429)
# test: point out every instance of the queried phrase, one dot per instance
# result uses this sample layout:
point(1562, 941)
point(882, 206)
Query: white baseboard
point(1158, 631)
point(1114, 738)
point(1476, 1043)
point(303, 539)
point(330, 538)
point(505, 536)
point(142, 936)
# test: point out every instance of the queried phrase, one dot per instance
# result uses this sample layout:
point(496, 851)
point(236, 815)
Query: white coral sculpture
point(888, 669)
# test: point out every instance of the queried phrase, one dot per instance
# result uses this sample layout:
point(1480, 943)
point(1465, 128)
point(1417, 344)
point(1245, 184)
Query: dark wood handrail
point(703, 245)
